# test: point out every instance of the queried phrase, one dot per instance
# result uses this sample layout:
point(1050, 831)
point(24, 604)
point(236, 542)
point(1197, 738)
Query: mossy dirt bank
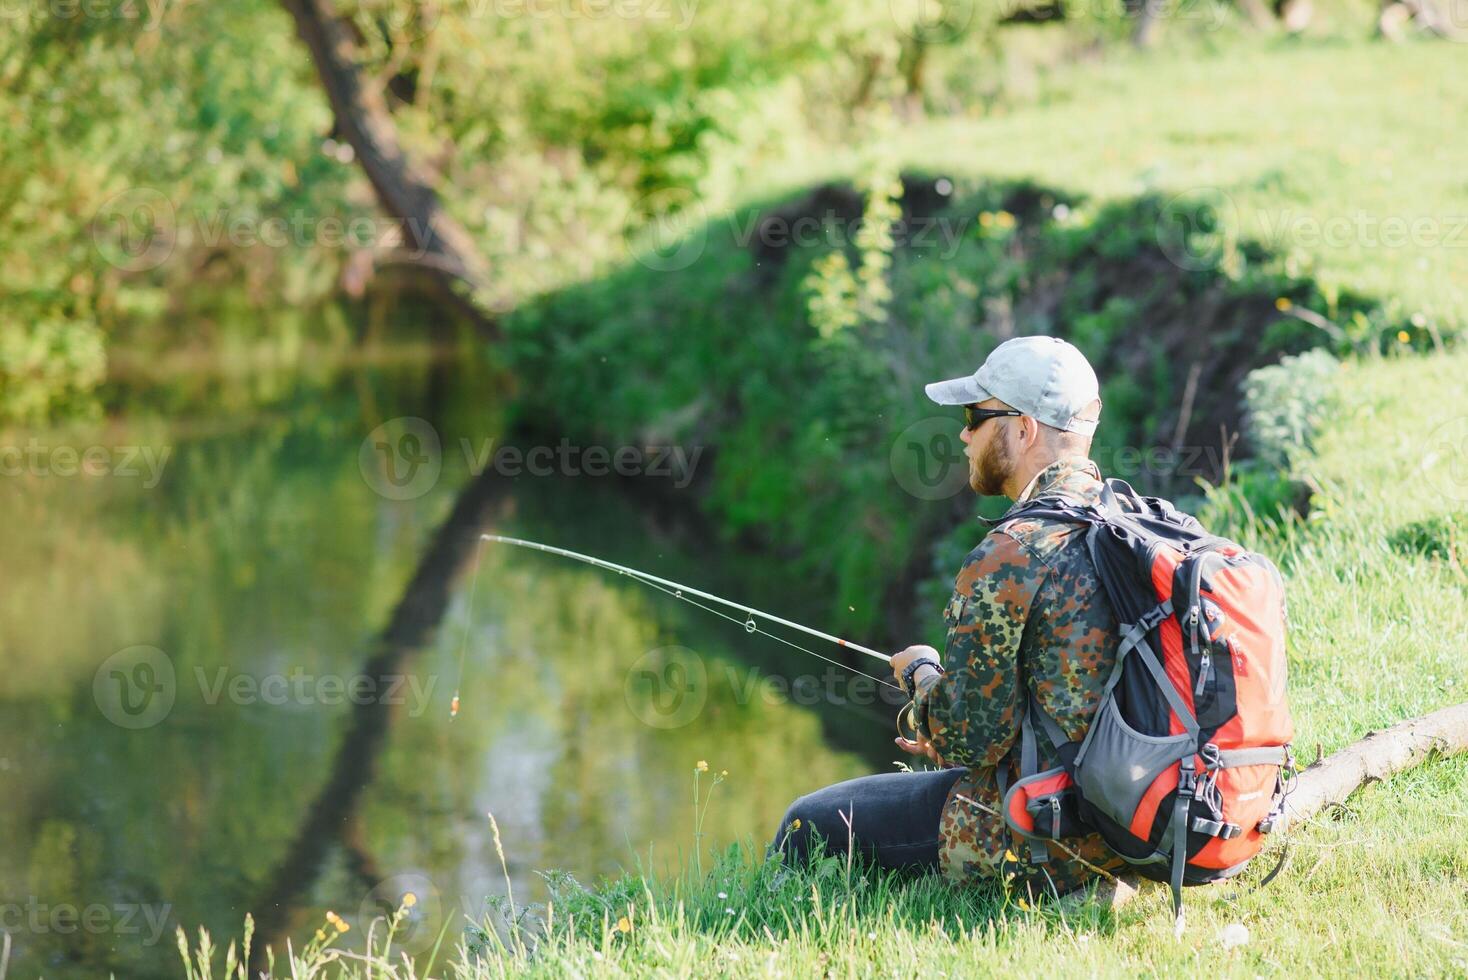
point(817, 443)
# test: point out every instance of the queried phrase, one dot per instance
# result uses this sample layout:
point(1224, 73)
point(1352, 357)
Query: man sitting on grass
point(1029, 627)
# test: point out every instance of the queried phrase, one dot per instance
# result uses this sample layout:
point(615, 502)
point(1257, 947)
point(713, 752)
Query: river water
point(231, 633)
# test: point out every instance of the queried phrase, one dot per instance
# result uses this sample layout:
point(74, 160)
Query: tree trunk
point(1144, 18)
point(1330, 781)
point(436, 242)
point(1259, 15)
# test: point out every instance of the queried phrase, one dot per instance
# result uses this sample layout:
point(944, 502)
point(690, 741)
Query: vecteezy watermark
point(1183, 462)
point(140, 228)
point(413, 902)
point(299, 688)
point(927, 458)
point(402, 459)
point(933, 21)
point(669, 687)
point(1445, 460)
point(1209, 14)
point(677, 233)
point(36, 458)
point(675, 463)
point(1363, 228)
point(147, 13)
point(945, 21)
point(667, 230)
point(38, 917)
point(135, 687)
point(138, 687)
point(939, 234)
point(678, 13)
point(1198, 228)
point(666, 687)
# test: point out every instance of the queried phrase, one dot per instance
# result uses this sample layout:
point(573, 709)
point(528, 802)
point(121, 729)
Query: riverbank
point(792, 350)
point(1377, 615)
point(801, 384)
point(1376, 589)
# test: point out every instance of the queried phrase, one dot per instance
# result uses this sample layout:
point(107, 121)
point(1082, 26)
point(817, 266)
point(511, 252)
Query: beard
point(992, 468)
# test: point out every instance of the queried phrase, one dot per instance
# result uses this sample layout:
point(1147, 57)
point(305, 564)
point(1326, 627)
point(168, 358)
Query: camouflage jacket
point(1027, 619)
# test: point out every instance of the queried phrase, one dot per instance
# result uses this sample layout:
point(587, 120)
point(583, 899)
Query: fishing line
point(677, 590)
point(751, 627)
point(468, 626)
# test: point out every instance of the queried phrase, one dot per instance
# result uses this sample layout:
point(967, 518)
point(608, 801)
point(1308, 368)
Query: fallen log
point(1330, 781)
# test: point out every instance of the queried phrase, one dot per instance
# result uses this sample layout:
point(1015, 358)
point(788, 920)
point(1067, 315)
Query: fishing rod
point(680, 591)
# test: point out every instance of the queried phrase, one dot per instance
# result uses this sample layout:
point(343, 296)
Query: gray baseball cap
point(1043, 377)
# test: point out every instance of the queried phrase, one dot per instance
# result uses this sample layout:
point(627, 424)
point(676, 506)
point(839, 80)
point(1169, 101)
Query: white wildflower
point(1234, 934)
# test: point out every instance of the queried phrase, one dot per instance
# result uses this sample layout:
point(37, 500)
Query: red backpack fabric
point(1181, 770)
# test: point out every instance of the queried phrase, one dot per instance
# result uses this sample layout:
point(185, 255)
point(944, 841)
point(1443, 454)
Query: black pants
point(894, 819)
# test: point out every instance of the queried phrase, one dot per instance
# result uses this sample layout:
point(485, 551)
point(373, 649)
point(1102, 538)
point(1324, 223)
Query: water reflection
point(272, 579)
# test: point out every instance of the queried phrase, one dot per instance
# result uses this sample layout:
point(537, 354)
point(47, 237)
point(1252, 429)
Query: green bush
point(1286, 403)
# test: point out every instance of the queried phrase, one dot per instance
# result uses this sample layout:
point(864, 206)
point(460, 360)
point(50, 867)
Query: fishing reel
point(906, 713)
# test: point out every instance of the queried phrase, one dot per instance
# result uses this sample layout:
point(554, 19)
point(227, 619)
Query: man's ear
point(1029, 432)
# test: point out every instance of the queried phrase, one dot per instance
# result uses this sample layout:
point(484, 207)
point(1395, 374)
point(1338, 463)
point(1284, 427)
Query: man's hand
point(901, 660)
point(921, 747)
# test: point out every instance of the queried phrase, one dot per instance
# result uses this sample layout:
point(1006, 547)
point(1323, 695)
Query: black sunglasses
point(973, 416)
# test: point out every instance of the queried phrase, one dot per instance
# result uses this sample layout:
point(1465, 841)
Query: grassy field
point(1379, 887)
point(1328, 151)
point(1285, 132)
point(1326, 148)
point(700, 343)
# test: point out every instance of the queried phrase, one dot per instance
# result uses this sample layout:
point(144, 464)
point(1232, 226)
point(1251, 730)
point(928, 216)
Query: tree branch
point(403, 189)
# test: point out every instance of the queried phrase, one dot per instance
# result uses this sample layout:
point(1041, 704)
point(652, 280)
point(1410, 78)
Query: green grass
point(1378, 887)
point(1292, 132)
point(1377, 890)
point(1376, 587)
point(1287, 134)
point(1376, 590)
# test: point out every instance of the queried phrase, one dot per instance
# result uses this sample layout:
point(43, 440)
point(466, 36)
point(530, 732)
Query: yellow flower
point(623, 925)
point(703, 766)
point(1282, 304)
point(1009, 855)
point(320, 936)
point(723, 772)
point(795, 824)
point(343, 926)
point(1024, 905)
point(1004, 219)
point(1403, 336)
point(409, 900)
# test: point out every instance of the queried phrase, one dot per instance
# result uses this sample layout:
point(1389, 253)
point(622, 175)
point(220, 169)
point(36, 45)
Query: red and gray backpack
point(1181, 770)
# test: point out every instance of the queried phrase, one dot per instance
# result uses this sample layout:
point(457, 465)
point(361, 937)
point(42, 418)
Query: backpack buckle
point(1187, 781)
point(1221, 829)
point(1211, 757)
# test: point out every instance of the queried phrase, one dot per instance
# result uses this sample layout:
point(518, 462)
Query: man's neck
point(1024, 475)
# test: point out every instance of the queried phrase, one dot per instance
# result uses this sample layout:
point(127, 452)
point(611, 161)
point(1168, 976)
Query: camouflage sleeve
point(971, 712)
